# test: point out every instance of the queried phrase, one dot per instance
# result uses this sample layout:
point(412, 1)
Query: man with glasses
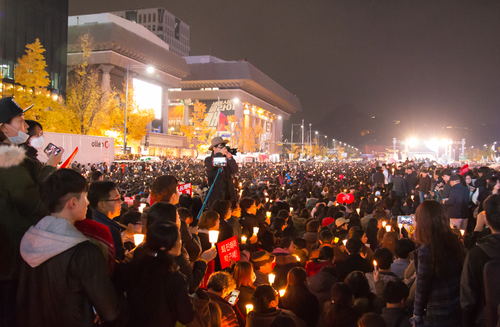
point(105, 202)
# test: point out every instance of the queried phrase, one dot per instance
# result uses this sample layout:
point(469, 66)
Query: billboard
point(148, 95)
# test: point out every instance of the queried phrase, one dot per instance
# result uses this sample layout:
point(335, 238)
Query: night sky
point(427, 64)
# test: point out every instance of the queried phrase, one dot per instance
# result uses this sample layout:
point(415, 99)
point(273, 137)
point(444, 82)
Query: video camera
point(233, 151)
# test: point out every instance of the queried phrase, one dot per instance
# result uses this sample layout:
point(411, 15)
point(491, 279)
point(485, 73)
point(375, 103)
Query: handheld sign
point(228, 250)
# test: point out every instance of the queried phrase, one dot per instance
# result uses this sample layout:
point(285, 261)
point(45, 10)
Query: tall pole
point(125, 122)
point(291, 141)
point(302, 137)
point(218, 115)
point(310, 139)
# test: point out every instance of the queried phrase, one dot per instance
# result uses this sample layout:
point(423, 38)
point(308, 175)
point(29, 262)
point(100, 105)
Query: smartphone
point(51, 148)
point(406, 220)
point(219, 161)
point(233, 297)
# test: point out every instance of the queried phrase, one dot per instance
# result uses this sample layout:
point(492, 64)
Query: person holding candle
point(244, 277)
point(234, 221)
point(265, 309)
point(209, 221)
point(354, 261)
point(223, 208)
point(284, 261)
point(132, 220)
point(263, 264)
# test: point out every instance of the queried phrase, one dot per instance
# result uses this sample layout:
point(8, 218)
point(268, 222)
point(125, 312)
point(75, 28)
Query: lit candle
point(388, 228)
point(282, 292)
point(243, 239)
point(412, 197)
point(400, 226)
point(267, 199)
point(268, 214)
point(384, 223)
point(336, 239)
point(291, 209)
point(213, 235)
point(462, 231)
point(375, 264)
point(138, 239)
point(296, 257)
point(272, 277)
point(255, 230)
point(249, 308)
point(344, 242)
point(357, 210)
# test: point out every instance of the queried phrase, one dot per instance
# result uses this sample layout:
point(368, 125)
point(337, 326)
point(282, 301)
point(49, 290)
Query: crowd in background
point(320, 244)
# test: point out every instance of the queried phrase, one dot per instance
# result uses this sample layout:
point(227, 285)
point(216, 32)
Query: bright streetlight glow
point(413, 142)
point(150, 69)
point(279, 117)
point(236, 100)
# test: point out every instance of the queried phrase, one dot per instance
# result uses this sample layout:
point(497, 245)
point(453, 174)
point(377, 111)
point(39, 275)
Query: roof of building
point(132, 40)
point(210, 72)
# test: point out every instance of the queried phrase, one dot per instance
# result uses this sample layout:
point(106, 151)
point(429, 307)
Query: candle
point(213, 235)
point(255, 230)
point(268, 214)
point(249, 308)
point(375, 264)
point(400, 226)
point(384, 223)
point(357, 210)
point(412, 197)
point(296, 257)
point(388, 228)
point(138, 239)
point(282, 292)
point(344, 242)
point(271, 278)
point(462, 231)
point(243, 239)
point(267, 199)
point(291, 209)
point(376, 199)
point(336, 239)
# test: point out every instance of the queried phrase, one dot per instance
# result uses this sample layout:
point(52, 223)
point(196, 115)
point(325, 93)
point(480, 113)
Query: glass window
point(154, 17)
point(149, 18)
point(154, 28)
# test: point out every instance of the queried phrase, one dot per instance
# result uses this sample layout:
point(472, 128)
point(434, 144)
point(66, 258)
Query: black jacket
point(458, 202)
point(396, 317)
point(399, 186)
point(302, 303)
point(411, 182)
point(63, 290)
point(352, 263)
point(223, 187)
point(472, 298)
point(116, 230)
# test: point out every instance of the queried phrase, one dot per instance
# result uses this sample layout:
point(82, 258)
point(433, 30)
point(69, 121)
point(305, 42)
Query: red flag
point(464, 169)
point(68, 161)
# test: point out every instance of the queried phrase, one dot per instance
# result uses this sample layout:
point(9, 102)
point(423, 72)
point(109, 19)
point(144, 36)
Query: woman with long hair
point(244, 277)
point(156, 290)
point(371, 233)
point(438, 267)
point(299, 299)
point(209, 220)
point(340, 311)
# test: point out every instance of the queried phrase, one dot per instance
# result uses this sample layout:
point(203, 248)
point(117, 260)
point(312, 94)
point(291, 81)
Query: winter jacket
point(156, 296)
point(311, 239)
point(227, 311)
point(313, 267)
point(384, 277)
point(115, 229)
point(411, 182)
point(396, 317)
point(352, 263)
point(424, 185)
point(20, 204)
point(472, 298)
point(190, 242)
point(63, 278)
point(458, 202)
point(248, 222)
point(301, 302)
point(223, 188)
point(399, 186)
point(320, 285)
point(234, 222)
point(378, 179)
point(438, 299)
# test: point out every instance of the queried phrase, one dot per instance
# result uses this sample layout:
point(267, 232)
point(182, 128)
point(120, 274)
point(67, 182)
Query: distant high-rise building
point(21, 23)
point(165, 25)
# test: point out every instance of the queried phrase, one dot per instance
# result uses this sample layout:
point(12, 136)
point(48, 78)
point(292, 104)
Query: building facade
point(163, 24)
point(21, 23)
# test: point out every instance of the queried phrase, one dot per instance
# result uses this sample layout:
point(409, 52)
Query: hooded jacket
point(20, 203)
point(472, 298)
point(62, 278)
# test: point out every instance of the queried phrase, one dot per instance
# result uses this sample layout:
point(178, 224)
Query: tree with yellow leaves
point(248, 138)
point(296, 150)
point(88, 105)
point(198, 132)
point(137, 117)
point(33, 80)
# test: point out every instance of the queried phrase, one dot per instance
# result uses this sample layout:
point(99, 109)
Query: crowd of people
point(318, 244)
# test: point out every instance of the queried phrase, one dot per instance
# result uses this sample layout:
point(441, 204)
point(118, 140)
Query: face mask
point(37, 143)
point(20, 138)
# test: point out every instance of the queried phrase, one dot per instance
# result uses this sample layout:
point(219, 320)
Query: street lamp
point(150, 69)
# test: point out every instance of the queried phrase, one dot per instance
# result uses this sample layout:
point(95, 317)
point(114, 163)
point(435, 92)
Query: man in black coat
point(458, 203)
point(354, 262)
point(378, 179)
point(223, 188)
point(410, 181)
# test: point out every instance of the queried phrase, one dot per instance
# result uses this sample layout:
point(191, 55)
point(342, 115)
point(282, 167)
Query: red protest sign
point(185, 188)
point(228, 250)
point(100, 235)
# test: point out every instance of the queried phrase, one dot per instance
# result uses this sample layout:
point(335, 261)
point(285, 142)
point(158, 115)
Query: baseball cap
point(10, 109)
point(341, 221)
point(327, 221)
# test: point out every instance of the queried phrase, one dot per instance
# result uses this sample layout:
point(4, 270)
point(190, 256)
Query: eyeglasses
point(117, 199)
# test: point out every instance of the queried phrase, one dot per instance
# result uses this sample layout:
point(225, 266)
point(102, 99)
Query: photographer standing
point(223, 188)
